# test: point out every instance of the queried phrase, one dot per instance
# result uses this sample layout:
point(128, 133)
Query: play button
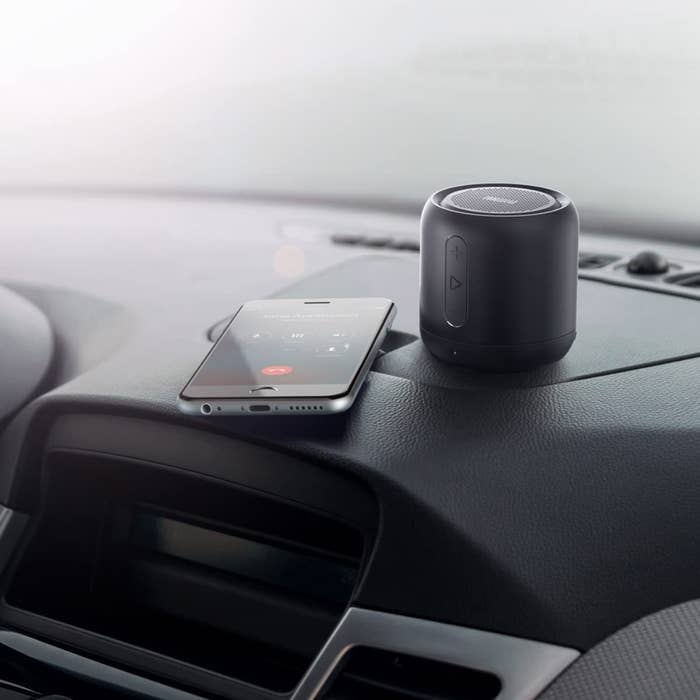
point(456, 281)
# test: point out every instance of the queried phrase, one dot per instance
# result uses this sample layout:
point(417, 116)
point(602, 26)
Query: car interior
point(503, 502)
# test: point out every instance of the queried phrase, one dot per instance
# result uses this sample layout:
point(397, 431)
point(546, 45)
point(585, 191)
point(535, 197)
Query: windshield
point(383, 101)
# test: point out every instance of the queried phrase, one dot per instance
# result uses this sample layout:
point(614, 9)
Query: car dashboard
point(455, 534)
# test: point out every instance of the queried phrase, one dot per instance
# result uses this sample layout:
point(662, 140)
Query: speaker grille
point(499, 200)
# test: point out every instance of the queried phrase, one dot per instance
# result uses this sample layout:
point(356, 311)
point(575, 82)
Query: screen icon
point(333, 349)
point(294, 339)
point(258, 336)
point(276, 370)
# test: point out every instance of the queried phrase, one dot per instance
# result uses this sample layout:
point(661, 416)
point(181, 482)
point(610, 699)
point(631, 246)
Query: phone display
point(291, 348)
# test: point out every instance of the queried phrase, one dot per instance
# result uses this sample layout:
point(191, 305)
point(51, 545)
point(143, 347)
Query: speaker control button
point(456, 287)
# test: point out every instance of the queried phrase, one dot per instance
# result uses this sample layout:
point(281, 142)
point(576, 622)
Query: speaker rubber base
point(498, 358)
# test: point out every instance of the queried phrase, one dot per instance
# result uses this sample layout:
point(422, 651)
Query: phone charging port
point(259, 408)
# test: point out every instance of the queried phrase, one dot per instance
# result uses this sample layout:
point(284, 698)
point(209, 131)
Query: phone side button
point(256, 389)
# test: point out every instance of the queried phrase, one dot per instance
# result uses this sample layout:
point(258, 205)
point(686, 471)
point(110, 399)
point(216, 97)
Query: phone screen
point(301, 348)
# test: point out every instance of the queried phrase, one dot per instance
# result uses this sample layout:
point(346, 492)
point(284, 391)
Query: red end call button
point(277, 370)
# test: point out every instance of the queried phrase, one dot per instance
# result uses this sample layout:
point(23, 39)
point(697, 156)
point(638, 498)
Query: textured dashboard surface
point(656, 657)
point(559, 512)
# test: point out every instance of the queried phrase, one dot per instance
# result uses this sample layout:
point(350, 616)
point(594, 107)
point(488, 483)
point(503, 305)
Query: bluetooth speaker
point(498, 276)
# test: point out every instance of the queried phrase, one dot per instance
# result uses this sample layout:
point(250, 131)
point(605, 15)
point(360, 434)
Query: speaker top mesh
point(496, 199)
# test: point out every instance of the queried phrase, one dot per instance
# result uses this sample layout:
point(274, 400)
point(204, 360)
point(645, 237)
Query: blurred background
point(376, 101)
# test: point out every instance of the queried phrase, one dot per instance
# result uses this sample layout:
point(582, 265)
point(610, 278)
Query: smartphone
point(290, 356)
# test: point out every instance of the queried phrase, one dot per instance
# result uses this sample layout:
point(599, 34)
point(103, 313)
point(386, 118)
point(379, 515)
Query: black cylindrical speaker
point(499, 267)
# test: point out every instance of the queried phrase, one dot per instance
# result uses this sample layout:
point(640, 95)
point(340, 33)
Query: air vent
point(376, 240)
point(592, 261)
point(225, 579)
point(373, 674)
point(687, 279)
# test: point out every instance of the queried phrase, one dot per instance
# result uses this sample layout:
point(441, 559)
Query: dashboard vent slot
point(592, 261)
point(374, 674)
point(228, 580)
point(687, 279)
point(376, 240)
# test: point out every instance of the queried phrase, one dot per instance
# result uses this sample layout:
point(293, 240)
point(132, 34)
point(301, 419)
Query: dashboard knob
point(648, 263)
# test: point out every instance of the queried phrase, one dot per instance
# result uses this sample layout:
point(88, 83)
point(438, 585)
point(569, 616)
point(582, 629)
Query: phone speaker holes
point(306, 408)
